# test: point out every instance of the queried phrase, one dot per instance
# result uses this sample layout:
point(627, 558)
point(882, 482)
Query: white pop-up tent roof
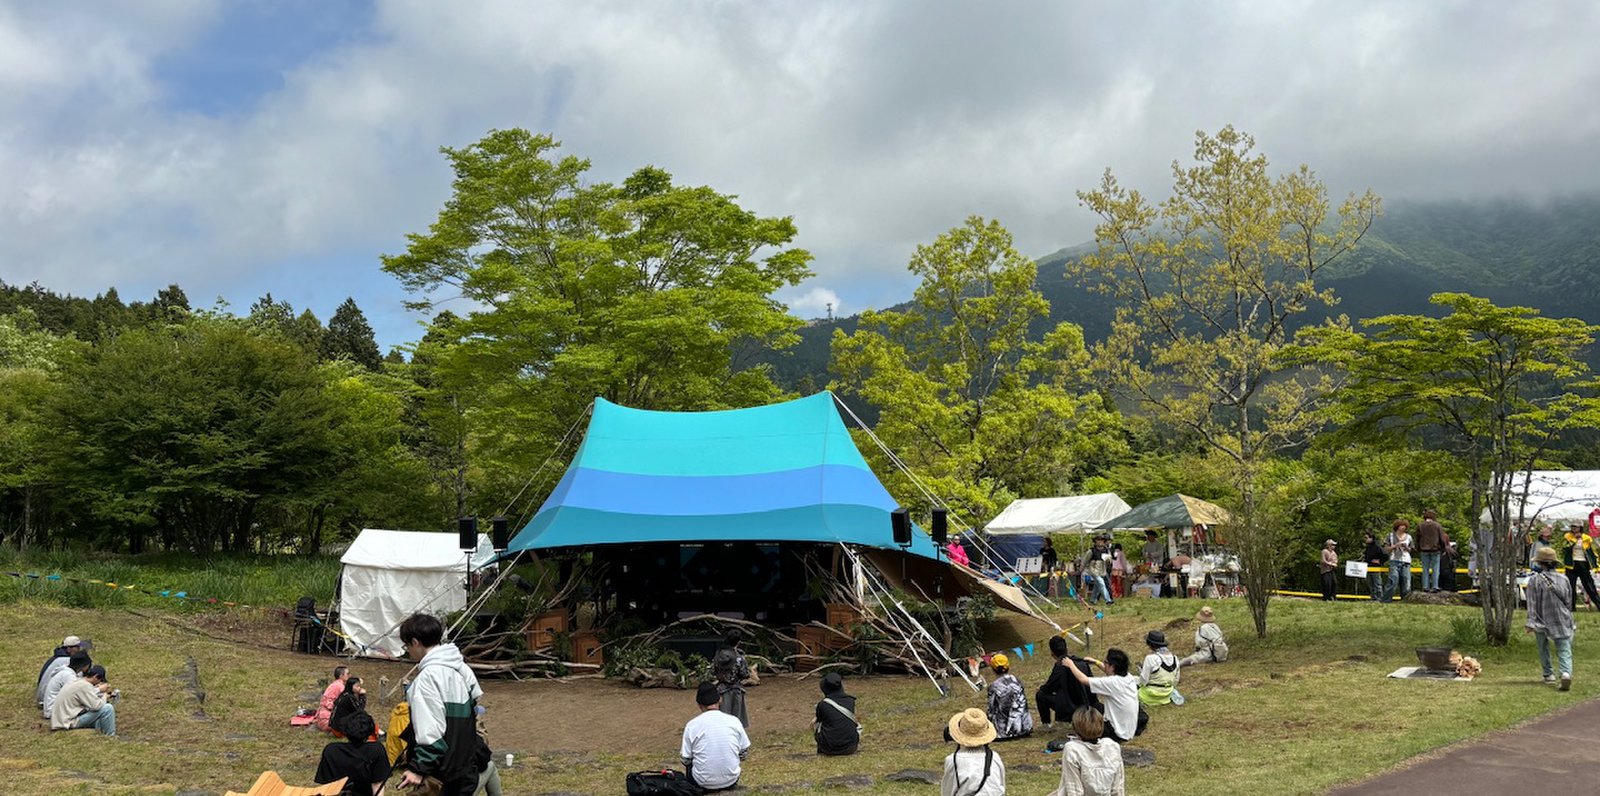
point(389, 575)
point(1557, 496)
point(1074, 514)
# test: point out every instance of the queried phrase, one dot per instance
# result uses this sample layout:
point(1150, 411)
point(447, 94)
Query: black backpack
point(661, 783)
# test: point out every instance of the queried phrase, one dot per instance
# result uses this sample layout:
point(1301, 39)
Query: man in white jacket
point(443, 698)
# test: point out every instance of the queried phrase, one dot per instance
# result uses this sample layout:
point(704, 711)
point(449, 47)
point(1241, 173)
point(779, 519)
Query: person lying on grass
point(1120, 693)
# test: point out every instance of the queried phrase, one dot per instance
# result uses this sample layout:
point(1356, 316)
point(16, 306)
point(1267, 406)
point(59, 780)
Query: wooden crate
point(842, 616)
point(541, 633)
point(812, 649)
point(586, 648)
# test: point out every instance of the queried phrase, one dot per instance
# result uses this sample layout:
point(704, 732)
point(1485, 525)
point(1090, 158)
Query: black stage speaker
point(468, 528)
point(502, 533)
point(941, 525)
point(900, 519)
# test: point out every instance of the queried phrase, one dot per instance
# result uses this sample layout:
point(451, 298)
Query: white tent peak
point(1558, 496)
point(1070, 514)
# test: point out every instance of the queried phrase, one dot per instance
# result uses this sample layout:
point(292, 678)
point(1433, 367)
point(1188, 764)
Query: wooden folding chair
point(270, 784)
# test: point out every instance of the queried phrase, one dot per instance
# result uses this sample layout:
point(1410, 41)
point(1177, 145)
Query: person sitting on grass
point(84, 703)
point(714, 743)
point(58, 661)
point(1158, 677)
point(349, 703)
point(836, 729)
point(1209, 644)
point(1061, 696)
point(1008, 702)
point(1091, 765)
point(973, 769)
point(330, 695)
point(361, 762)
point(76, 666)
point(1120, 693)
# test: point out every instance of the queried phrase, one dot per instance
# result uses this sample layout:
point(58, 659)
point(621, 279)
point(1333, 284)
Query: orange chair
point(270, 784)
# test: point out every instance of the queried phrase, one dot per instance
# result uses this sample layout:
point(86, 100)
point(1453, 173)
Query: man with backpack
point(443, 698)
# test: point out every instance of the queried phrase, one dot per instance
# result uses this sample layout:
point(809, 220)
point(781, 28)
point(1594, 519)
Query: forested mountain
point(1544, 255)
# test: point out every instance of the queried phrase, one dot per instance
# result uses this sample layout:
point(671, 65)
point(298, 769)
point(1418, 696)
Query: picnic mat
point(1419, 673)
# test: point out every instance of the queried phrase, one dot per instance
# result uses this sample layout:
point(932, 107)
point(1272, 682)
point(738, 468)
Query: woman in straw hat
point(1550, 615)
point(1209, 644)
point(973, 769)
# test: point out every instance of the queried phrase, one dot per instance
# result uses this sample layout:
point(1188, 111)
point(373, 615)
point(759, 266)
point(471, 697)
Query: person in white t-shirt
point(973, 769)
point(1399, 550)
point(1119, 692)
point(713, 743)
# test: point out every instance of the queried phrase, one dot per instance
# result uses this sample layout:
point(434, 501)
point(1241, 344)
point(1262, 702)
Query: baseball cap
point(71, 641)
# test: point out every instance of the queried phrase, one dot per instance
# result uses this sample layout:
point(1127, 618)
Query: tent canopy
point(787, 472)
point(1172, 511)
point(389, 575)
point(1559, 496)
point(1073, 514)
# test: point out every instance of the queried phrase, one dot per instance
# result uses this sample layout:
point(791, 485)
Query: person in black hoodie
point(1375, 557)
point(836, 729)
point(1062, 694)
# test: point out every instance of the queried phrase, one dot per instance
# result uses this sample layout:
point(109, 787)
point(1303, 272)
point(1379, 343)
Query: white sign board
point(1031, 565)
point(1355, 569)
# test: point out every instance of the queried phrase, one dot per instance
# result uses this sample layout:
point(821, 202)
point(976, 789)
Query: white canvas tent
point(1556, 496)
point(389, 575)
point(1074, 514)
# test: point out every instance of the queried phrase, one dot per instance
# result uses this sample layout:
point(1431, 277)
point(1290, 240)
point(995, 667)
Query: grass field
point(1304, 710)
point(255, 580)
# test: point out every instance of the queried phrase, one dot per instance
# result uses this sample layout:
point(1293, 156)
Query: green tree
point(1206, 285)
point(171, 305)
point(349, 336)
point(647, 293)
point(982, 409)
point(30, 363)
point(1503, 385)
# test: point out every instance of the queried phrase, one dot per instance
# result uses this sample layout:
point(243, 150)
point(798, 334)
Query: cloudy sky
point(243, 146)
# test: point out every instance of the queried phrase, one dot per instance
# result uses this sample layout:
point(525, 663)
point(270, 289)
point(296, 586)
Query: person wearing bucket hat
point(1327, 567)
point(973, 769)
point(836, 729)
point(1550, 616)
point(1158, 677)
point(1209, 644)
point(1008, 701)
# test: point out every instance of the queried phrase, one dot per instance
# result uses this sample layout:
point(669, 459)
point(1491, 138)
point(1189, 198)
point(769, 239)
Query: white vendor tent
point(1038, 516)
point(389, 575)
point(1556, 496)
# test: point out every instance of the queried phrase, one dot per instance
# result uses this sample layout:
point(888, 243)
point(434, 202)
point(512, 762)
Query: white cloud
point(877, 126)
point(814, 302)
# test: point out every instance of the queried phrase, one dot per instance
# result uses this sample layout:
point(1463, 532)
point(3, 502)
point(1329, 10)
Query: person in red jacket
point(330, 695)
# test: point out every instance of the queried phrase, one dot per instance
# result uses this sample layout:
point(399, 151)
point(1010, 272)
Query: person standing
point(1209, 644)
point(443, 699)
point(1542, 540)
point(957, 552)
point(714, 743)
point(1399, 550)
point(729, 671)
point(1048, 557)
point(1550, 616)
point(1091, 764)
point(1579, 556)
point(973, 769)
point(1153, 553)
point(1329, 565)
point(1094, 568)
point(1375, 557)
point(1430, 544)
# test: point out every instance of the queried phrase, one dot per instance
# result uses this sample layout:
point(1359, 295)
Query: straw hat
point(1206, 614)
point(1545, 555)
point(1330, 543)
point(998, 660)
point(971, 727)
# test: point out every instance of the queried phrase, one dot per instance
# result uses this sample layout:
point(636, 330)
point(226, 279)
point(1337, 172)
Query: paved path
point(1555, 754)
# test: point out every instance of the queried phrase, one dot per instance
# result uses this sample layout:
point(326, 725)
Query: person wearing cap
point(83, 704)
point(1550, 615)
point(1329, 565)
point(1158, 677)
point(973, 769)
point(837, 730)
point(76, 666)
point(1209, 644)
point(1008, 701)
point(57, 662)
point(714, 743)
point(1091, 764)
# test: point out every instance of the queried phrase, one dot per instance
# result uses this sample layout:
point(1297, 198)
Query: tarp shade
point(784, 472)
point(1072, 514)
point(1559, 496)
point(1172, 511)
point(389, 575)
point(920, 577)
